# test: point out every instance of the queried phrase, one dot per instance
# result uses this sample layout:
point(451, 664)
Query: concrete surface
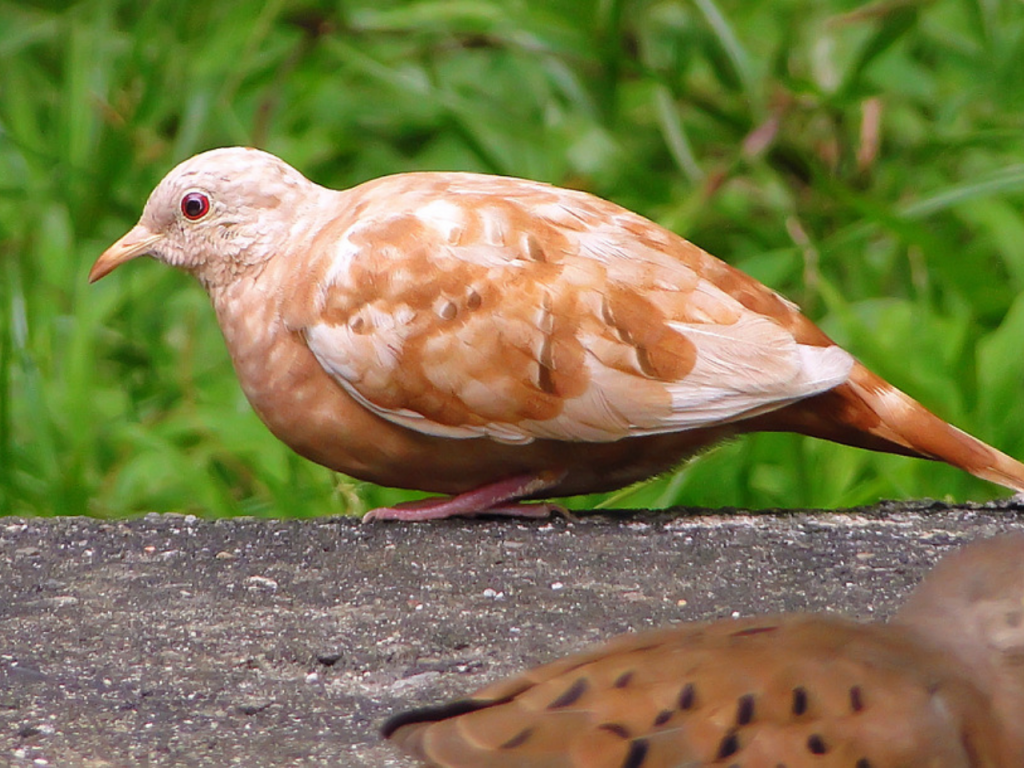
point(169, 640)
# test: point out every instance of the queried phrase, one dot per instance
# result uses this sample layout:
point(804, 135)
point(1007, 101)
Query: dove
point(498, 339)
point(941, 686)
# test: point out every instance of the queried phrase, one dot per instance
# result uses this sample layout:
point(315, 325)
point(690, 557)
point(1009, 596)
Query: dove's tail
point(869, 412)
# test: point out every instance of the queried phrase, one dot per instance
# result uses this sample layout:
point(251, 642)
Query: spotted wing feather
point(797, 691)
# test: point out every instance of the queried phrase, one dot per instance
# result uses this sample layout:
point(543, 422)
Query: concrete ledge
point(170, 640)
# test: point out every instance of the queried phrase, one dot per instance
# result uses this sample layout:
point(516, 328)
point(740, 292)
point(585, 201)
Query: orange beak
point(137, 242)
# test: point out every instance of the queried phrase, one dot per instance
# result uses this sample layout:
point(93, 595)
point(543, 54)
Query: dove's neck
point(259, 308)
point(280, 231)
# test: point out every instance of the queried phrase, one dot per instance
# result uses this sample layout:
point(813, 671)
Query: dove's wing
point(465, 306)
point(795, 691)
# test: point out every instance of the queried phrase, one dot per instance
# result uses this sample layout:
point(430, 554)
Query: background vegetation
point(865, 160)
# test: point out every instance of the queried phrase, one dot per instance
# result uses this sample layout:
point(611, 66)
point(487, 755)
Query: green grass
point(867, 161)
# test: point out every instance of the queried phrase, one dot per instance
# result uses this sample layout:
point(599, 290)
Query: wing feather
point(468, 306)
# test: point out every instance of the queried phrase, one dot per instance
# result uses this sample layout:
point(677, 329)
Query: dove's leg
point(493, 499)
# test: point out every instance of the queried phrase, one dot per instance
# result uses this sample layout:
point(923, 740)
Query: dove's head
point(219, 214)
point(972, 604)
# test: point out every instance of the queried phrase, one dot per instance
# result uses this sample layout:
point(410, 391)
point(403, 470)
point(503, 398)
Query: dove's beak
point(137, 242)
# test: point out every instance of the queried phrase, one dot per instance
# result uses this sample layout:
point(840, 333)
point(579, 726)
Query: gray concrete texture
point(175, 641)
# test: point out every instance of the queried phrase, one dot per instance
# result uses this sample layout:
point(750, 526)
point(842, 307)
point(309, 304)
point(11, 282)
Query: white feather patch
point(444, 217)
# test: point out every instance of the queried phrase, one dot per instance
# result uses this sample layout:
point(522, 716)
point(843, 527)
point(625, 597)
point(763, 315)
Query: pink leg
point(493, 499)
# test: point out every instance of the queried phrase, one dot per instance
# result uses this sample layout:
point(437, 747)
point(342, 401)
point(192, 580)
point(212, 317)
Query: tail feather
point(869, 412)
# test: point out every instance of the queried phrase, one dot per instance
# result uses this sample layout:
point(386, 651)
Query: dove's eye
point(195, 205)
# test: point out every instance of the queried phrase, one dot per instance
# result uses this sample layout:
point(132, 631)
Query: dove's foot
point(494, 499)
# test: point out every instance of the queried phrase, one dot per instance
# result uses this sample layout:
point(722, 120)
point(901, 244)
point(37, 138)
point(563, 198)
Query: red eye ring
point(195, 205)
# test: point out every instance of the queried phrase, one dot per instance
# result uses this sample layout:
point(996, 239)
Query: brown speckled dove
point(940, 687)
point(501, 339)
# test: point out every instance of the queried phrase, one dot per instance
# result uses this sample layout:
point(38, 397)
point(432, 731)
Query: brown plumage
point(940, 687)
point(503, 338)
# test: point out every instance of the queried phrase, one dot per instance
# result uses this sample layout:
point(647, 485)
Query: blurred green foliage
point(865, 160)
